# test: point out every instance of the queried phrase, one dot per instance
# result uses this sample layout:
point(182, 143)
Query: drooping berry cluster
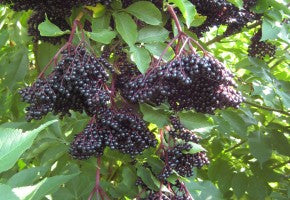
point(76, 83)
point(182, 162)
point(188, 82)
point(178, 158)
point(180, 132)
point(221, 12)
point(55, 10)
point(260, 49)
point(119, 129)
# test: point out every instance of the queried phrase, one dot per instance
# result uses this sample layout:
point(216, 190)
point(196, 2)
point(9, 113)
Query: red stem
point(97, 187)
point(175, 18)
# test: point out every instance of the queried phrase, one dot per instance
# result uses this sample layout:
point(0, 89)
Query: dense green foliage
point(248, 148)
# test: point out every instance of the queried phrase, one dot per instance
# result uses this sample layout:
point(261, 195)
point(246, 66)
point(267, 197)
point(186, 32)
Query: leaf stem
point(267, 108)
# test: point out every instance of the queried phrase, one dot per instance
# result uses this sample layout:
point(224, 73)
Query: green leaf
point(43, 188)
point(141, 57)
point(104, 36)
point(145, 11)
point(14, 66)
point(236, 122)
point(156, 164)
point(221, 171)
point(4, 36)
point(237, 3)
point(269, 30)
point(260, 147)
point(256, 189)
point(195, 121)
point(195, 148)
point(45, 52)
point(102, 22)
point(239, 184)
point(154, 115)
point(198, 20)
point(150, 34)
point(280, 143)
point(187, 9)
point(129, 177)
point(148, 178)
point(7, 193)
point(53, 153)
point(27, 176)
point(13, 143)
point(126, 26)
point(202, 190)
point(157, 49)
point(49, 29)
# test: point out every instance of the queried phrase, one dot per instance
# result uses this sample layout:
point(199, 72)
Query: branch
point(267, 108)
point(220, 37)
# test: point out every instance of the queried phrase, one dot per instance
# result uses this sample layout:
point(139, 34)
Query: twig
point(267, 108)
point(277, 63)
point(270, 61)
point(220, 37)
point(35, 52)
point(236, 146)
point(280, 165)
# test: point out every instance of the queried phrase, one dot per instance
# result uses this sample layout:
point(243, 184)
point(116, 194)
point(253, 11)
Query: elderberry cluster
point(180, 132)
point(179, 159)
point(76, 83)
point(260, 49)
point(55, 10)
point(221, 12)
point(188, 82)
point(118, 129)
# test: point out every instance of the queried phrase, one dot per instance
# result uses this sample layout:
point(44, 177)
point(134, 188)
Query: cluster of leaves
point(248, 148)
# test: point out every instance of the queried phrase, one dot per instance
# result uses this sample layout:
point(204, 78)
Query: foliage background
point(248, 148)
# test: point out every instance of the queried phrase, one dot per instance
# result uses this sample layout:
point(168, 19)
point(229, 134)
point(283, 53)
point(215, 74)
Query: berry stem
point(166, 49)
point(75, 24)
point(53, 59)
point(97, 187)
point(175, 18)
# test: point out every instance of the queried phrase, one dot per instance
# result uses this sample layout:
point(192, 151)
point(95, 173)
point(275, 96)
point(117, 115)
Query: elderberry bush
point(118, 129)
point(188, 82)
point(76, 83)
point(260, 49)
